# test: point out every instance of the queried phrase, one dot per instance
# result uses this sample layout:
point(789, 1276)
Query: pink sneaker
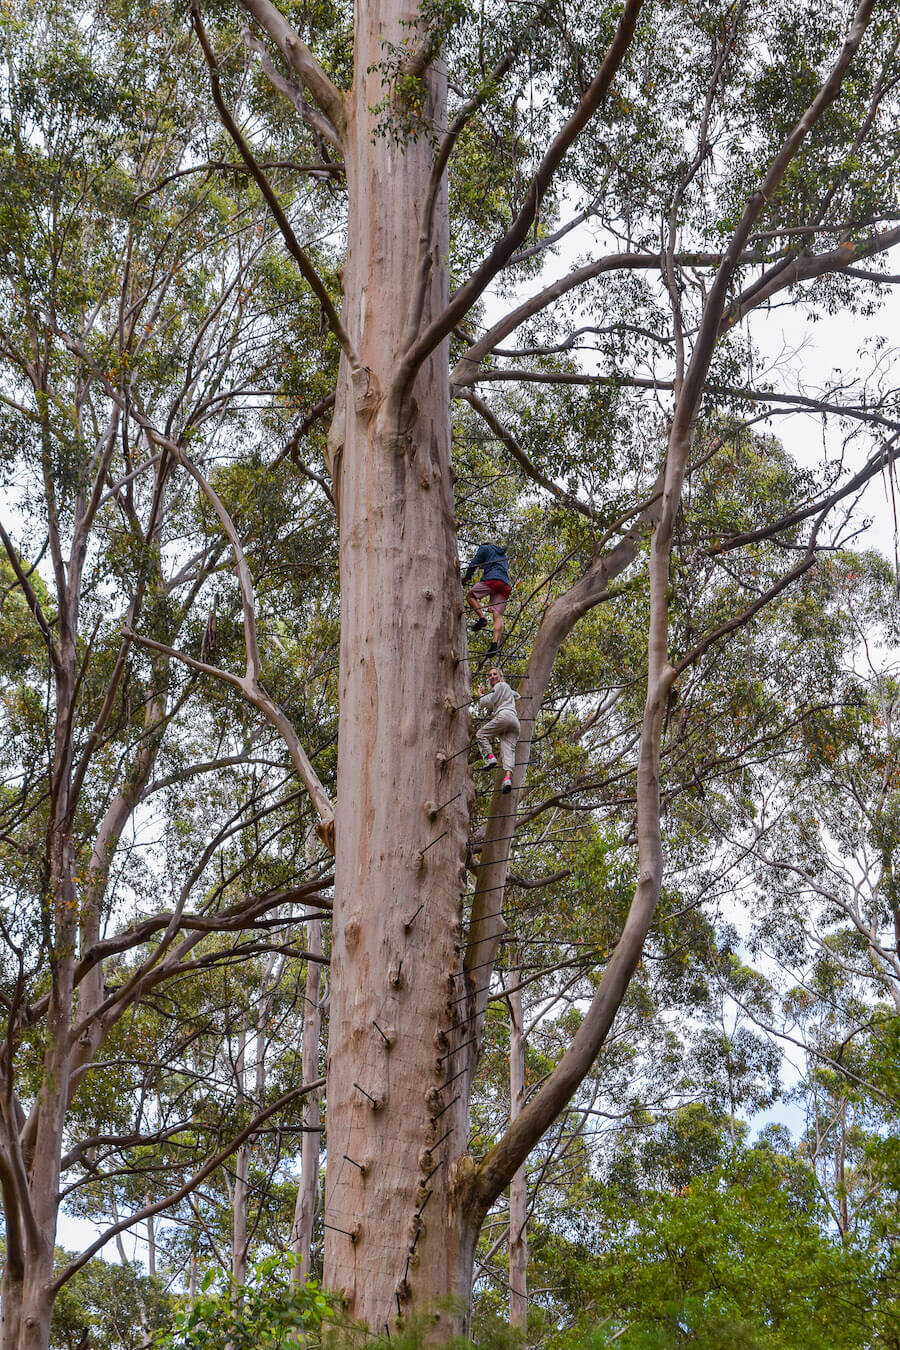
point(491, 763)
point(507, 783)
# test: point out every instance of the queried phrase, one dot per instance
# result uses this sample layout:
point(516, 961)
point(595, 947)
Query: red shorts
point(497, 590)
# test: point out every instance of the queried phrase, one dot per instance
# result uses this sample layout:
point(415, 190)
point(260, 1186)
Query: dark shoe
point(478, 625)
point(493, 649)
point(507, 783)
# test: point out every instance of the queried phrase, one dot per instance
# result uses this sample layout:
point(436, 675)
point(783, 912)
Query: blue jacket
point(491, 558)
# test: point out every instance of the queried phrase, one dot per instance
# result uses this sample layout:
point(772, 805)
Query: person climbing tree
point(494, 583)
point(501, 701)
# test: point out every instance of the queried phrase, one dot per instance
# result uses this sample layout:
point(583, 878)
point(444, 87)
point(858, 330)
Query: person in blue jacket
point(494, 587)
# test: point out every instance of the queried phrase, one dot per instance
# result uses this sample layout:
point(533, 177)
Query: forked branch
point(249, 683)
point(504, 249)
point(301, 60)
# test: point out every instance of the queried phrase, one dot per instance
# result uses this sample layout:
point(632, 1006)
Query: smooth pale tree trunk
point(394, 1237)
point(518, 1213)
point(239, 1223)
point(308, 1189)
point(241, 1197)
point(32, 1150)
point(241, 1178)
point(151, 1242)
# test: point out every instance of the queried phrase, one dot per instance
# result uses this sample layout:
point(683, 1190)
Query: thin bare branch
point(190, 1185)
point(504, 435)
point(505, 248)
point(298, 253)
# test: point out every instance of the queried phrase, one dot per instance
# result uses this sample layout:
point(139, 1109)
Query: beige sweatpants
point(505, 726)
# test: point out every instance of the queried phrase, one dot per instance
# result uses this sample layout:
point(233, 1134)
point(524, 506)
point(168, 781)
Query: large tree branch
point(15, 1181)
point(250, 683)
point(316, 120)
point(802, 402)
point(232, 166)
point(807, 267)
point(784, 274)
point(255, 694)
point(886, 454)
point(466, 369)
point(190, 1185)
point(301, 60)
point(487, 924)
point(15, 1246)
point(504, 249)
point(233, 919)
point(740, 620)
point(298, 253)
point(425, 254)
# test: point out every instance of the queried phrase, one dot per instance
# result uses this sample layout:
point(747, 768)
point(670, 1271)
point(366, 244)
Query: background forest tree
point(298, 306)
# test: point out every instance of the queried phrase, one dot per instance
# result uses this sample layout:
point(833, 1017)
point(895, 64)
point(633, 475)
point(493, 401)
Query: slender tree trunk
point(308, 1189)
point(840, 1172)
point(31, 1330)
point(240, 1241)
point(518, 1241)
point(394, 1237)
point(40, 1139)
point(151, 1242)
point(239, 1223)
point(241, 1177)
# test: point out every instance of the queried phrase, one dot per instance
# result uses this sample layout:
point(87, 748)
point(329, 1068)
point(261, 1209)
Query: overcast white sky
point(812, 352)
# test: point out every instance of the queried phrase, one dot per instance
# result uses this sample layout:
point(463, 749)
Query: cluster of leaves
point(109, 1306)
point(271, 1311)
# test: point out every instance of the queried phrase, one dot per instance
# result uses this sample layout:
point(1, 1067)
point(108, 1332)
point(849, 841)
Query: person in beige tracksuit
point(501, 701)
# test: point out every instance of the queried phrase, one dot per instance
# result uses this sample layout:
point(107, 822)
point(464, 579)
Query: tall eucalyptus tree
point(709, 163)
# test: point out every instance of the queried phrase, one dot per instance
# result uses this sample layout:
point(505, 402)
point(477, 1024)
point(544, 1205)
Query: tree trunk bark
point(308, 1189)
point(151, 1242)
point(518, 1214)
point(395, 1239)
point(41, 1138)
point(27, 1304)
point(239, 1222)
point(241, 1178)
point(10, 1308)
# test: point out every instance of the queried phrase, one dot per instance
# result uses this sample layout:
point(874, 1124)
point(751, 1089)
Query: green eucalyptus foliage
point(730, 1248)
point(109, 1306)
point(269, 1312)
